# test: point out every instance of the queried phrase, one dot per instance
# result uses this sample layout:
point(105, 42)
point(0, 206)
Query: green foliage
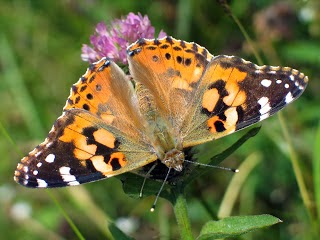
point(117, 233)
point(316, 171)
point(235, 226)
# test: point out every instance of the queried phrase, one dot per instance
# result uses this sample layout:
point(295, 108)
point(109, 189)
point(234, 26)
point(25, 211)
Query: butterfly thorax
point(174, 159)
point(167, 147)
point(164, 139)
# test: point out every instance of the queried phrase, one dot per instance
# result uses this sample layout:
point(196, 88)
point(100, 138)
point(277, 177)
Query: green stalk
point(243, 31)
point(84, 201)
point(14, 83)
point(316, 171)
point(236, 183)
point(66, 216)
point(184, 16)
point(181, 214)
point(164, 225)
point(296, 168)
point(10, 140)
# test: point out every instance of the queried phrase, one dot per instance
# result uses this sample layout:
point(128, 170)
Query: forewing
point(170, 70)
point(100, 134)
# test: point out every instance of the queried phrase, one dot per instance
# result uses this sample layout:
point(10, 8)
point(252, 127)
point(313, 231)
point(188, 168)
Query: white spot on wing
point(25, 169)
point(263, 101)
point(279, 81)
point(49, 144)
point(50, 158)
point(35, 172)
point(39, 164)
point(291, 77)
point(289, 98)
point(37, 154)
point(264, 116)
point(64, 170)
point(286, 85)
point(66, 176)
point(265, 106)
point(266, 82)
point(41, 183)
point(73, 183)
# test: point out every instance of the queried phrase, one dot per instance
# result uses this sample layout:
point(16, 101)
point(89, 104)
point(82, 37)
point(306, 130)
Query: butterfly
point(176, 96)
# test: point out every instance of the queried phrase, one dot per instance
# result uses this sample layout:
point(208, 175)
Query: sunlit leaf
point(235, 226)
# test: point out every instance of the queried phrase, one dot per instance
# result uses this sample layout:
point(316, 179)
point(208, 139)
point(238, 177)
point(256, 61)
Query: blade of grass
point(164, 224)
point(38, 229)
point(228, 10)
point(184, 18)
point(236, 183)
point(83, 199)
point(14, 82)
point(316, 171)
point(217, 159)
point(66, 216)
point(10, 140)
point(296, 168)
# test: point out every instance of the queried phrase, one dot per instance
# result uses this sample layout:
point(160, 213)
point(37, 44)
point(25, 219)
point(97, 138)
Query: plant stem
point(243, 31)
point(236, 183)
point(316, 172)
point(181, 213)
point(66, 216)
point(297, 170)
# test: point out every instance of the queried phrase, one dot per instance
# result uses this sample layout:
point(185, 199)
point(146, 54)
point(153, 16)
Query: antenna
point(145, 178)
point(163, 183)
point(213, 166)
point(165, 180)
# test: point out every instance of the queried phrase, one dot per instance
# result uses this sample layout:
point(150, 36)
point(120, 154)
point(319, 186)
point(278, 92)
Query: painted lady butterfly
point(178, 96)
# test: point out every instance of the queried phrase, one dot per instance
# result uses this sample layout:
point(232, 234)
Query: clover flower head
point(113, 41)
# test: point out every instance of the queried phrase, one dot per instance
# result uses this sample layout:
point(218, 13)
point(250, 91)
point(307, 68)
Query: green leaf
point(235, 226)
point(217, 159)
point(302, 51)
point(117, 233)
point(132, 183)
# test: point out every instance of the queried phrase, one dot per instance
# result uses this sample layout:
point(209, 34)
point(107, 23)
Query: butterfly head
point(174, 159)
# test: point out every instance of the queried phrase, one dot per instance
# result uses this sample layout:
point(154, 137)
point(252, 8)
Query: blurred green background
point(40, 47)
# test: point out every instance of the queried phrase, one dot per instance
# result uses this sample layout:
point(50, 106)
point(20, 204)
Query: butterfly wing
point(106, 128)
point(100, 134)
point(170, 70)
point(235, 93)
point(206, 97)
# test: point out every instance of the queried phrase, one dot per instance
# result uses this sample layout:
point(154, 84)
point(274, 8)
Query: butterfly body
point(178, 95)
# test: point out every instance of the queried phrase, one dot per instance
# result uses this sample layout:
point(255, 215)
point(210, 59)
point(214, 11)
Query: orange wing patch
point(176, 68)
point(92, 90)
point(91, 143)
point(180, 62)
point(117, 160)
